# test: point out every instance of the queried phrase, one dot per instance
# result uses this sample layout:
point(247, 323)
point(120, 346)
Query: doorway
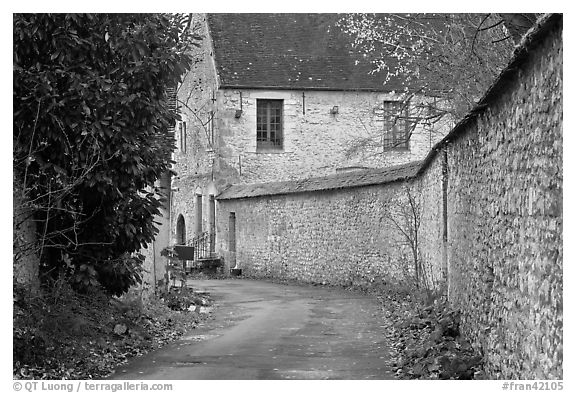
point(180, 230)
point(198, 214)
point(232, 232)
point(212, 223)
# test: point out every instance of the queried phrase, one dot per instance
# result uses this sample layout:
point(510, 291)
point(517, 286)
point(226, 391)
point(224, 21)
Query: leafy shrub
point(93, 133)
point(61, 333)
point(121, 274)
point(431, 346)
point(179, 299)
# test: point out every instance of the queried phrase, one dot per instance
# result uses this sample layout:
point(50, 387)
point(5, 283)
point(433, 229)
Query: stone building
point(262, 165)
point(491, 218)
point(279, 97)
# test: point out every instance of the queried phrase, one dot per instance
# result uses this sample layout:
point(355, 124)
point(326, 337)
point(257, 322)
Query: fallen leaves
point(120, 329)
point(427, 342)
point(85, 337)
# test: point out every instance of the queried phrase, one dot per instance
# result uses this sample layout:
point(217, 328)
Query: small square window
point(269, 125)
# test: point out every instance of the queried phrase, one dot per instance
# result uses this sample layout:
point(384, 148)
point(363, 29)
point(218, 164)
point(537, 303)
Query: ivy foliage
point(93, 132)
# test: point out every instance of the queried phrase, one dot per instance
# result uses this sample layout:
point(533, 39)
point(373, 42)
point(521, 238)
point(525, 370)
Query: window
point(396, 125)
point(182, 129)
point(269, 124)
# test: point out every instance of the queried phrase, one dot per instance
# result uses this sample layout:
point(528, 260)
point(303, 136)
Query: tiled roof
point(341, 180)
point(290, 51)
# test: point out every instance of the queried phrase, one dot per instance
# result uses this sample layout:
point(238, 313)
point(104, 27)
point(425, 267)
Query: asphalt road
point(262, 330)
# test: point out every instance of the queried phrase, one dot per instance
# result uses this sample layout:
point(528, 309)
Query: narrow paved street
point(263, 330)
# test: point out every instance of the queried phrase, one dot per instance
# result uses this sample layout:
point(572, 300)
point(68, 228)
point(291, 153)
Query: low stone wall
point(347, 236)
point(337, 237)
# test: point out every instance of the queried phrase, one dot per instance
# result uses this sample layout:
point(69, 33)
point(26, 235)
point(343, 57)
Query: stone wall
point(338, 237)
point(344, 236)
point(220, 148)
point(505, 219)
point(316, 142)
point(198, 167)
point(155, 265)
point(432, 240)
point(491, 224)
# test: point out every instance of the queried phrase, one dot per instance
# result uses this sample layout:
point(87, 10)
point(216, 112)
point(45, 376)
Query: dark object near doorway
point(184, 252)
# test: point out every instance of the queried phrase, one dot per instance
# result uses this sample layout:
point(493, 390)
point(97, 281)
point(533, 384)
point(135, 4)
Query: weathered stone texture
point(315, 141)
point(200, 169)
point(222, 151)
point(505, 222)
point(337, 236)
point(491, 224)
point(196, 107)
point(491, 197)
point(431, 242)
point(154, 266)
point(342, 236)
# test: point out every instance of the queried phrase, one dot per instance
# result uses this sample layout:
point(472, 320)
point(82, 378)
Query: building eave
point(303, 88)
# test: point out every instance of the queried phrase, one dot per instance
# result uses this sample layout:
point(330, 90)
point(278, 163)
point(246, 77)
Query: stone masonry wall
point(338, 237)
point(220, 149)
point(154, 266)
point(197, 165)
point(491, 224)
point(505, 221)
point(431, 242)
point(315, 141)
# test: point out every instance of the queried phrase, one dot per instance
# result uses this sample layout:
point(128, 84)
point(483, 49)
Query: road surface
point(263, 330)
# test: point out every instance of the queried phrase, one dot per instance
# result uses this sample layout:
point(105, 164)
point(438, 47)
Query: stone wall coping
point(360, 178)
point(386, 175)
point(521, 54)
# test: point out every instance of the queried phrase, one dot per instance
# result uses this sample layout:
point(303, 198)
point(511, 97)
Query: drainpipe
point(169, 220)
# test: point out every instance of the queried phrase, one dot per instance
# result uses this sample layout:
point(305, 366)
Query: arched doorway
point(180, 230)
